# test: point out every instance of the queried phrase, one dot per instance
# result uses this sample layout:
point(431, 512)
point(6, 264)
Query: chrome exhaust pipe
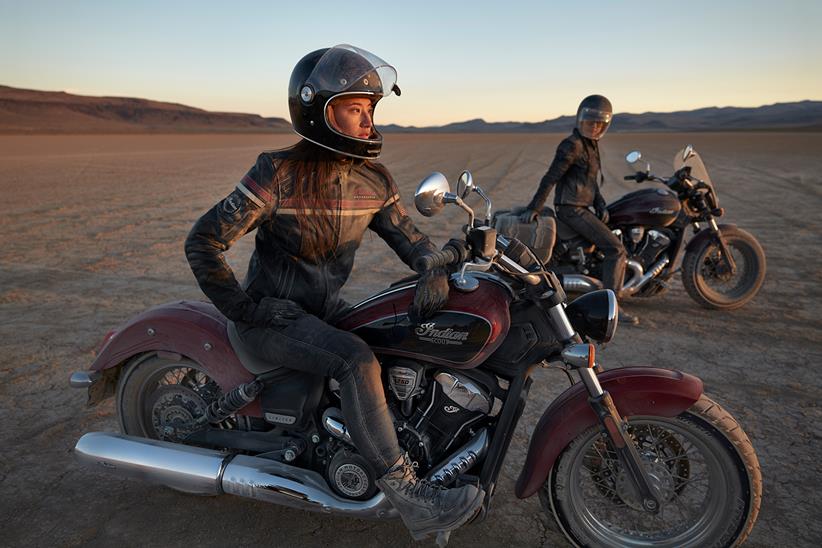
point(636, 275)
point(632, 287)
point(467, 455)
point(209, 472)
point(579, 283)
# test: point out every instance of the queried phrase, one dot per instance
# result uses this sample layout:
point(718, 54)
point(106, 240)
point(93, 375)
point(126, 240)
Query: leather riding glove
point(277, 313)
point(431, 294)
point(602, 210)
point(528, 216)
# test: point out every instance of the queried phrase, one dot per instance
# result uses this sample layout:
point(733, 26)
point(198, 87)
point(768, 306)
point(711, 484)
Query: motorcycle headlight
point(594, 315)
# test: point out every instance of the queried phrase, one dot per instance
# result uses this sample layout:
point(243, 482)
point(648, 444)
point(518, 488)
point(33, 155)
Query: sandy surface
point(93, 229)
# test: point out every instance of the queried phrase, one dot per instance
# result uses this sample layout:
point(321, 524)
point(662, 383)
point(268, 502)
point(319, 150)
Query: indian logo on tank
point(428, 332)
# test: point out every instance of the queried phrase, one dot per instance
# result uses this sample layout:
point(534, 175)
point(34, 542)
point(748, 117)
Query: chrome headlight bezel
point(594, 315)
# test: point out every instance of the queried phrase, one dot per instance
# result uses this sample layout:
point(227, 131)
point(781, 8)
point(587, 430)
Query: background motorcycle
point(202, 415)
point(723, 266)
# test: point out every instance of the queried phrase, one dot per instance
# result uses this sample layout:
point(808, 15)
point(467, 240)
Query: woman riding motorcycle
point(577, 173)
point(311, 205)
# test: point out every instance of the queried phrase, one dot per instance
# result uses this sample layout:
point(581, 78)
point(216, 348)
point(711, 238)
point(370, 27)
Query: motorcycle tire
point(700, 461)
point(708, 288)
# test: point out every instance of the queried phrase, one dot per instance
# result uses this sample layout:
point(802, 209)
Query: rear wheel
point(161, 398)
point(700, 463)
point(707, 280)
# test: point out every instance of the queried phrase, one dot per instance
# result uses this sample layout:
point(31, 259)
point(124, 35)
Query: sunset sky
point(512, 60)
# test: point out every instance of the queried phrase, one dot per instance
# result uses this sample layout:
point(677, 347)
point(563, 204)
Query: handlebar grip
point(629, 178)
point(448, 255)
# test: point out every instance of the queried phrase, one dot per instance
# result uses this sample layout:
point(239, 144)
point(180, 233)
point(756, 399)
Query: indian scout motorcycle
point(636, 456)
point(722, 267)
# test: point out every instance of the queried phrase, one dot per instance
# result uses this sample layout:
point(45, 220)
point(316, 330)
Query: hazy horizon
point(528, 62)
point(408, 125)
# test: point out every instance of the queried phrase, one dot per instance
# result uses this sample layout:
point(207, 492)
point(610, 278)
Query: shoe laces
point(423, 489)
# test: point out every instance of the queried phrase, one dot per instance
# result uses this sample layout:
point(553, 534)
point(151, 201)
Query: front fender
point(193, 329)
point(702, 235)
point(635, 391)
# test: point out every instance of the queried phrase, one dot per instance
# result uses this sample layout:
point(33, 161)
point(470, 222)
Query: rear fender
point(703, 235)
point(635, 391)
point(190, 329)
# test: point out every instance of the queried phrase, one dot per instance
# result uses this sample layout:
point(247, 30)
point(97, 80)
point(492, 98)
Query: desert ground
point(93, 233)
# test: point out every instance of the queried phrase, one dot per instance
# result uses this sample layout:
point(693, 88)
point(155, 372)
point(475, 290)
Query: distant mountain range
point(799, 116)
point(30, 111)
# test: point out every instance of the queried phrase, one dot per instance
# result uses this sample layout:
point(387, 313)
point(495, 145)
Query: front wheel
point(707, 280)
point(701, 464)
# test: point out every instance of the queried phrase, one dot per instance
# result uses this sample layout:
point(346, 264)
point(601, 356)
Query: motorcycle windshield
point(695, 163)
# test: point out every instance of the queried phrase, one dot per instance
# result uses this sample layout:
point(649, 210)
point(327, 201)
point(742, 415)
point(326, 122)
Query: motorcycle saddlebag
point(539, 236)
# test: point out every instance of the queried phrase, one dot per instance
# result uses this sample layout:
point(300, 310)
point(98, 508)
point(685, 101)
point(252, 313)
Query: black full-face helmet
point(594, 108)
point(326, 74)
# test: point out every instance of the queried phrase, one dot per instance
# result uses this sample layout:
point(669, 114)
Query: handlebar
point(639, 176)
point(449, 255)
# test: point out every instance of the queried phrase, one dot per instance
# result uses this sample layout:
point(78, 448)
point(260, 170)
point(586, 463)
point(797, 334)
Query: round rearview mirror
point(430, 194)
point(465, 184)
point(633, 157)
point(687, 152)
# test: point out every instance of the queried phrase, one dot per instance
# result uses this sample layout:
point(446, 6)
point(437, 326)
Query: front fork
point(727, 258)
point(582, 357)
point(617, 430)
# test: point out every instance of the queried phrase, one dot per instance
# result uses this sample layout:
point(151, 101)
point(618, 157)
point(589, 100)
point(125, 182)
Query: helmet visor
point(346, 68)
point(593, 123)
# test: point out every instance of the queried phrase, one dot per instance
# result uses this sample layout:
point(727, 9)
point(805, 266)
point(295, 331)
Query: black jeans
point(311, 345)
point(591, 228)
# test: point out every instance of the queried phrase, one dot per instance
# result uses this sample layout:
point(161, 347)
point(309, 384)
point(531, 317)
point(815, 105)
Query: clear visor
point(593, 123)
point(348, 68)
point(594, 115)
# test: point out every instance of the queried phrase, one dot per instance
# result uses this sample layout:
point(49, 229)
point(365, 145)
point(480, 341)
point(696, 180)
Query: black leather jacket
point(575, 170)
point(364, 197)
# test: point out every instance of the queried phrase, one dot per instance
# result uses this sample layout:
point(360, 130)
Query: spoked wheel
point(701, 466)
point(709, 282)
point(162, 398)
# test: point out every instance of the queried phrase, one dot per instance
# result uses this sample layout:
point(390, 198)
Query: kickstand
point(442, 538)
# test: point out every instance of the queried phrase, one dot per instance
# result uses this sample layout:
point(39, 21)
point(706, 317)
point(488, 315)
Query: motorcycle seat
point(250, 361)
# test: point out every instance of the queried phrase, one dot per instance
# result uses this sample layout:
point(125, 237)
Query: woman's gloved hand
point(528, 216)
point(276, 313)
point(431, 294)
point(602, 210)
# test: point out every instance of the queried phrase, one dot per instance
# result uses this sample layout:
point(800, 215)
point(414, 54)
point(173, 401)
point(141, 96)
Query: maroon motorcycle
point(636, 456)
point(722, 266)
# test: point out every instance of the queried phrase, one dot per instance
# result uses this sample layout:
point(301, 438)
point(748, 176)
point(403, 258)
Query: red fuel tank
point(651, 207)
point(462, 335)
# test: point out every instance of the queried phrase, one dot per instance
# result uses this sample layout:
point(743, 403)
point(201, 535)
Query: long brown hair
point(311, 171)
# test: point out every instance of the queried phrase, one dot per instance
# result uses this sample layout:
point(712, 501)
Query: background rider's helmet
point(594, 108)
point(325, 74)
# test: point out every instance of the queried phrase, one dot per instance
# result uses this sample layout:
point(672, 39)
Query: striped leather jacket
point(364, 197)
